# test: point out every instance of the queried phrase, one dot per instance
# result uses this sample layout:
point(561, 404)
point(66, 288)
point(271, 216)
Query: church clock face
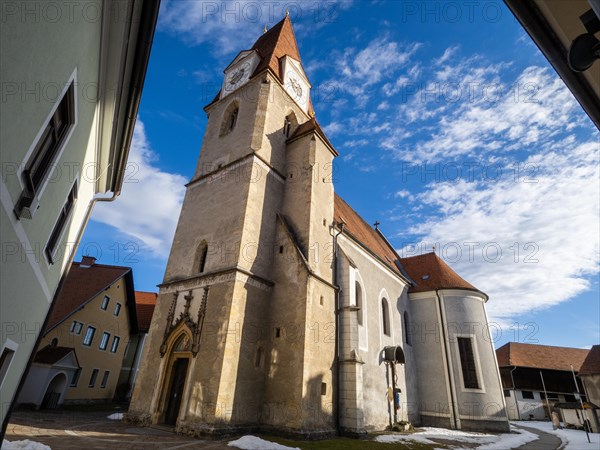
point(237, 77)
point(296, 88)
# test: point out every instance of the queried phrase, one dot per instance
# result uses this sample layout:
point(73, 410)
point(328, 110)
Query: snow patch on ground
point(23, 445)
point(574, 439)
point(116, 416)
point(486, 441)
point(256, 443)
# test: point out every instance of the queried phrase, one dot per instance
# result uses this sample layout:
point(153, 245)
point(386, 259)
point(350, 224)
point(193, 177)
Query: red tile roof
point(276, 43)
point(144, 305)
point(81, 286)
point(430, 272)
point(591, 365)
point(439, 274)
point(361, 231)
point(51, 355)
point(540, 356)
point(309, 126)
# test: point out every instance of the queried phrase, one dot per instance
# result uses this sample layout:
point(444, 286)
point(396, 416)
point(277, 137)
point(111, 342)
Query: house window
point(507, 392)
point(104, 340)
point(201, 253)
point(61, 224)
point(358, 300)
point(105, 301)
point(527, 395)
point(76, 327)
point(38, 167)
point(93, 378)
point(323, 388)
point(5, 359)
point(75, 377)
point(115, 344)
point(89, 336)
point(385, 317)
point(570, 398)
point(467, 363)
point(105, 379)
point(117, 309)
point(406, 328)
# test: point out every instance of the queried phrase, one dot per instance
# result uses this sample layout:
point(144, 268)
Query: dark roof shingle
point(51, 355)
point(591, 365)
point(536, 356)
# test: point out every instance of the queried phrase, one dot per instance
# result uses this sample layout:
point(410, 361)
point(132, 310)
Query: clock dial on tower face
point(237, 77)
point(296, 89)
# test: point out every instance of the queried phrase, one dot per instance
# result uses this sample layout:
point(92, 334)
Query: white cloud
point(546, 231)
point(403, 193)
point(149, 205)
point(227, 24)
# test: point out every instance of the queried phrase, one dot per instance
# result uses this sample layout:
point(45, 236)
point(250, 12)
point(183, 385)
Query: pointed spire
point(265, 29)
point(287, 12)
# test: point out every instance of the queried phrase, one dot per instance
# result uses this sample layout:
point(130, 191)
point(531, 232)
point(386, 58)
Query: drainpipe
point(512, 379)
point(337, 328)
point(448, 368)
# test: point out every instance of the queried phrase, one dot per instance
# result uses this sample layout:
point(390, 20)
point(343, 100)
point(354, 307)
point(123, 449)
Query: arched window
point(230, 117)
point(201, 253)
point(406, 330)
point(289, 124)
point(385, 317)
point(359, 303)
point(182, 344)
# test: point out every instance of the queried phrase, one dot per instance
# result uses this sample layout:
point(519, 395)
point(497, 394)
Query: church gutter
point(451, 383)
point(337, 328)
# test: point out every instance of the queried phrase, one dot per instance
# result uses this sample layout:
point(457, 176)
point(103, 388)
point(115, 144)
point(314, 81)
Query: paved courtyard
point(92, 430)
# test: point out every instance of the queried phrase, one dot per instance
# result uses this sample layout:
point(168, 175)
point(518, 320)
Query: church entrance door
point(176, 390)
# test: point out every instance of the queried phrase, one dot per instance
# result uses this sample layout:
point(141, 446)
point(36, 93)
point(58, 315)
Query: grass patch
point(351, 444)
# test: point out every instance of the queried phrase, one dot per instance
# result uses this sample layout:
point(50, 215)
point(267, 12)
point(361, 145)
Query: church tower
point(243, 335)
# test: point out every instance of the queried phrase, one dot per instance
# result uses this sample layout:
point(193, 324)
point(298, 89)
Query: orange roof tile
point(276, 43)
point(307, 127)
point(361, 231)
point(591, 365)
point(430, 272)
point(540, 356)
point(84, 283)
point(144, 305)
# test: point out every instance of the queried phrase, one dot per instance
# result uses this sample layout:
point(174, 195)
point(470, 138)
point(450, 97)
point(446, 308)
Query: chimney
point(87, 262)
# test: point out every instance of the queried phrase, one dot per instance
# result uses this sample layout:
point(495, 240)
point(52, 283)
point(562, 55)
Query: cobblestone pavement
point(92, 430)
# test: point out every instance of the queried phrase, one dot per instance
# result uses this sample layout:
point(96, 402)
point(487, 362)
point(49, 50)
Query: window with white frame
point(61, 224)
point(115, 344)
point(76, 327)
point(385, 317)
point(40, 163)
point(104, 340)
point(89, 336)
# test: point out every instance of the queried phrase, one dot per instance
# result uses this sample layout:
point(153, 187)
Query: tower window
point(230, 117)
point(277, 332)
point(323, 388)
point(385, 317)
point(232, 120)
point(258, 360)
point(201, 254)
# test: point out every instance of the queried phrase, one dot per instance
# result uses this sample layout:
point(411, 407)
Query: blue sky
point(452, 129)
